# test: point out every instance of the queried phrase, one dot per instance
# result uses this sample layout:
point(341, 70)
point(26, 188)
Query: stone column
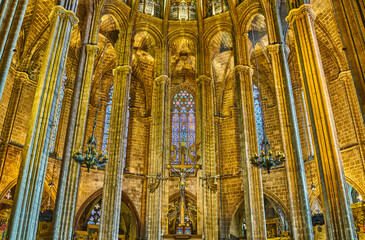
point(303, 123)
point(253, 193)
point(28, 195)
point(6, 131)
point(294, 166)
point(70, 170)
point(157, 164)
point(205, 114)
point(112, 190)
point(338, 213)
point(350, 18)
point(11, 19)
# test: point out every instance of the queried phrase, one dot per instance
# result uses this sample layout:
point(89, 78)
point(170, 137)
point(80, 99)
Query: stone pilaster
point(158, 200)
point(338, 215)
point(112, 190)
point(350, 19)
point(70, 171)
point(207, 145)
point(6, 131)
point(297, 186)
point(11, 19)
point(28, 195)
point(253, 193)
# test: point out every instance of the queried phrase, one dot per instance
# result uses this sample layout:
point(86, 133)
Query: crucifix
point(183, 170)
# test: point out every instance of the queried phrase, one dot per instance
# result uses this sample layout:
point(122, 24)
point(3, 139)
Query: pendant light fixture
point(90, 158)
point(266, 159)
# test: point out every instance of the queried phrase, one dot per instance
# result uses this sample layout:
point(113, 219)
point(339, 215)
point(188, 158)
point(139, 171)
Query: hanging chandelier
point(267, 160)
point(90, 158)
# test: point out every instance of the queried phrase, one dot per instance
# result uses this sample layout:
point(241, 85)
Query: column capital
point(58, 10)
point(121, 69)
point(273, 48)
point(243, 69)
point(162, 79)
point(203, 79)
point(296, 13)
point(92, 48)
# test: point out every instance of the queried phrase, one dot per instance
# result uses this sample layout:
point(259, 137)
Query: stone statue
point(156, 182)
point(211, 184)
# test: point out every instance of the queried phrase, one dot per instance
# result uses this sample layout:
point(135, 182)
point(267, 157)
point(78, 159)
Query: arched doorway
point(89, 217)
point(277, 223)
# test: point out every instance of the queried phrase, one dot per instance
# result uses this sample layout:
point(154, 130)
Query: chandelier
point(90, 158)
point(267, 160)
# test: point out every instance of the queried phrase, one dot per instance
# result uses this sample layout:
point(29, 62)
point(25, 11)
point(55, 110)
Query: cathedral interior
point(182, 119)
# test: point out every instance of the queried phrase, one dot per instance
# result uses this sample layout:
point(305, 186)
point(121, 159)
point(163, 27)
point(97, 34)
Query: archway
point(277, 222)
point(88, 218)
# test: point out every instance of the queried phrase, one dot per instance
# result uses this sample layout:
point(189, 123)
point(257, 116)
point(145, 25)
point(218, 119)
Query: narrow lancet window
point(57, 115)
point(258, 116)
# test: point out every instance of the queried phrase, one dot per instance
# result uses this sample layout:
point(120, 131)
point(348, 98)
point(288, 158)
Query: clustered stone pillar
point(350, 19)
point(11, 19)
point(29, 190)
point(159, 142)
point(253, 193)
point(70, 171)
point(112, 190)
point(338, 213)
point(297, 185)
point(207, 136)
point(20, 79)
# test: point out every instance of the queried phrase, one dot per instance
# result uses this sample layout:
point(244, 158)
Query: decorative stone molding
point(203, 79)
point(345, 74)
point(162, 79)
point(302, 11)
point(124, 68)
point(64, 14)
point(23, 76)
point(91, 48)
point(243, 69)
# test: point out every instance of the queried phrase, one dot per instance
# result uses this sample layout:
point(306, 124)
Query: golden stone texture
point(309, 69)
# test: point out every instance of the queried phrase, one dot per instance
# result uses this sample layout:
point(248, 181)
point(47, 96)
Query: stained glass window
point(57, 115)
point(184, 10)
point(95, 215)
point(215, 7)
point(258, 116)
point(108, 112)
point(183, 122)
point(150, 7)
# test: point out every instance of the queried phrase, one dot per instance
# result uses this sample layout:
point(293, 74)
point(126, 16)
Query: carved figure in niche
point(173, 211)
point(191, 212)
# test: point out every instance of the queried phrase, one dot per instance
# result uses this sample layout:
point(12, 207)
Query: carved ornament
point(64, 14)
point(302, 11)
